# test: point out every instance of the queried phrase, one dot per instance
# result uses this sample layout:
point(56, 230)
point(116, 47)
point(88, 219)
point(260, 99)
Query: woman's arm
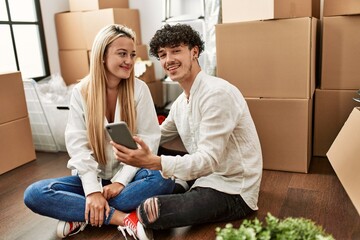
point(81, 156)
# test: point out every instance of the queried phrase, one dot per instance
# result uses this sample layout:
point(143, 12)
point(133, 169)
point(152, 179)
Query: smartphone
point(120, 133)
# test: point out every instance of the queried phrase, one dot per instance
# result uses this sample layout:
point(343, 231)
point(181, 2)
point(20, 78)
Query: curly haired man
point(223, 168)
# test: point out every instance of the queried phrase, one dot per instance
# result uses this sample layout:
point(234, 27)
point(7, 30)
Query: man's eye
point(161, 56)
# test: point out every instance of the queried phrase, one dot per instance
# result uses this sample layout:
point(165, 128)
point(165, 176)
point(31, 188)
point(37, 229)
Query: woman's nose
point(129, 59)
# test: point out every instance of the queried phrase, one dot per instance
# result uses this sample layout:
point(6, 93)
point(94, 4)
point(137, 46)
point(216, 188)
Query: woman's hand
point(141, 157)
point(112, 190)
point(95, 209)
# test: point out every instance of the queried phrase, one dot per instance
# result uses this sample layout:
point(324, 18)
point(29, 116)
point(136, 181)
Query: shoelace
point(76, 225)
point(130, 228)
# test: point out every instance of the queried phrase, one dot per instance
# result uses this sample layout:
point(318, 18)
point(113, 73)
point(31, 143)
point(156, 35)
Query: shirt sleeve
point(125, 175)
point(81, 156)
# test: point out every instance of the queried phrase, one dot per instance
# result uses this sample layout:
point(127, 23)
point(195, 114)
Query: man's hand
point(112, 190)
point(141, 157)
point(96, 207)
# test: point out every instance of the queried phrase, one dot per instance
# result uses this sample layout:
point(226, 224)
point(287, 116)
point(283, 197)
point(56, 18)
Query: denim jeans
point(64, 199)
point(197, 206)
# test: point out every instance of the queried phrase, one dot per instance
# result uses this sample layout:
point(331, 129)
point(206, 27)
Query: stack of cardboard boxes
point(273, 63)
point(16, 144)
point(337, 116)
point(77, 29)
point(340, 75)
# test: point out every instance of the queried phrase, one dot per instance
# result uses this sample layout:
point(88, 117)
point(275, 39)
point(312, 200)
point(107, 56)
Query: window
point(22, 42)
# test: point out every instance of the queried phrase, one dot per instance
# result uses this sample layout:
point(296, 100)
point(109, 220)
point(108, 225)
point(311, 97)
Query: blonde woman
point(102, 190)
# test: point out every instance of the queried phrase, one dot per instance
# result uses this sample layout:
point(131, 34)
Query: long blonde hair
point(94, 91)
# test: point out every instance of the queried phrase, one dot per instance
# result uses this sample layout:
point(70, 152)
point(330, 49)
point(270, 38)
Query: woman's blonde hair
point(94, 90)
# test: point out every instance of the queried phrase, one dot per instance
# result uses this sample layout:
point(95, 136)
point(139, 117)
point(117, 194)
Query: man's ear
point(195, 52)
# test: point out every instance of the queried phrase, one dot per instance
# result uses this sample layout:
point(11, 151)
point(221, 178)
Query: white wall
point(48, 10)
point(151, 16)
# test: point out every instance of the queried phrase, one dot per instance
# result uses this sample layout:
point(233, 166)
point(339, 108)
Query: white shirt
point(219, 134)
point(82, 158)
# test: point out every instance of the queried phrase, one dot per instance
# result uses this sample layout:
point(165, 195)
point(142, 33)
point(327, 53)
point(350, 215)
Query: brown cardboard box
point(12, 97)
point(142, 52)
point(296, 8)
point(344, 157)
point(93, 21)
point(149, 75)
point(249, 10)
point(69, 31)
point(176, 145)
point(14, 154)
point(156, 89)
point(81, 5)
point(74, 65)
point(274, 58)
point(341, 53)
point(332, 108)
point(343, 7)
point(284, 127)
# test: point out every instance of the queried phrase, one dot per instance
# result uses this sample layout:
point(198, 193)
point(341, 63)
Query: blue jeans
point(64, 199)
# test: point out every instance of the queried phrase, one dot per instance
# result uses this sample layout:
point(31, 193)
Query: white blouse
point(82, 160)
point(219, 134)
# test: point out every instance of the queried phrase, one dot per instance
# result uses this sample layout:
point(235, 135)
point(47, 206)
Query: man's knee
point(148, 211)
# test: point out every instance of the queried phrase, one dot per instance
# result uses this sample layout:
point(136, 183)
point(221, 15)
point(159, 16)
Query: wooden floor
point(317, 195)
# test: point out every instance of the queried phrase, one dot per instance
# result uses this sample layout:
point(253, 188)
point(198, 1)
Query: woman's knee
point(31, 194)
point(164, 185)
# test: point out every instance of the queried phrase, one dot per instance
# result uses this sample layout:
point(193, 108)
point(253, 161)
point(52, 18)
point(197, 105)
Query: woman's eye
point(122, 54)
point(133, 55)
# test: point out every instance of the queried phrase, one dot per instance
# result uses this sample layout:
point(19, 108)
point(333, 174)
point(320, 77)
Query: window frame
point(39, 24)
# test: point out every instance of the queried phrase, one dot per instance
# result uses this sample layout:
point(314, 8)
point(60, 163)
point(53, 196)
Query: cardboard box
point(142, 52)
point(274, 58)
point(69, 31)
point(249, 10)
point(81, 5)
point(16, 145)
point(149, 75)
point(176, 145)
point(12, 97)
point(332, 108)
point(156, 90)
point(74, 65)
point(340, 53)
point(344, 157)
point(284, 127)
point(343, 7)
point(93, 21)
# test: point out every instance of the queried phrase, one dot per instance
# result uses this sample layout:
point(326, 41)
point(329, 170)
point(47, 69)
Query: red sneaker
point(65, 229)
point(134, 228)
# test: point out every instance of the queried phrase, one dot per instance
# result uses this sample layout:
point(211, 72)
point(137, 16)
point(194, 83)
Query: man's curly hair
point(175, 35)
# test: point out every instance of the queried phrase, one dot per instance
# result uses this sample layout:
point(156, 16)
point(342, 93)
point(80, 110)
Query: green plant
point(286, 229)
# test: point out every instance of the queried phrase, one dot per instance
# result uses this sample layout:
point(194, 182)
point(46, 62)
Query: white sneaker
point(134, 228)
point(65, 229)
